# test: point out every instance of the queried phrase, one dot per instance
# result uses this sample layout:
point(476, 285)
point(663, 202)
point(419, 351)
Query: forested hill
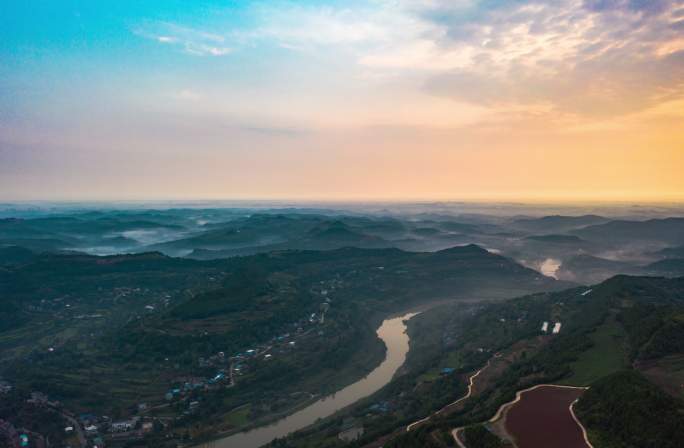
point(624, 324)
point(626, 410)
point(150, 312)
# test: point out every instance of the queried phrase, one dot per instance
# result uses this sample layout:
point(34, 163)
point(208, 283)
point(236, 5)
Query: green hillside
point(606, 329)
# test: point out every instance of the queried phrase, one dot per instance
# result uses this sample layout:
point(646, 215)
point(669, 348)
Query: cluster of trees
point(423, 438)
point(654, 330)
point(477, 436)
point(624, 410)
point(38, 418)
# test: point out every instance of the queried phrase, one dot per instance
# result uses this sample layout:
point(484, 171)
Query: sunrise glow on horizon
point(562, 100)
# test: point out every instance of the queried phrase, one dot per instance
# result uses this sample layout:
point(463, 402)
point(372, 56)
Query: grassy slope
point(606, 356)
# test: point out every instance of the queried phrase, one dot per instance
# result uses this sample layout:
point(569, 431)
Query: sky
point(341, 100)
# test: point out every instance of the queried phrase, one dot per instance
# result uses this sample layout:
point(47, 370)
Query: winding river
point(393, 334)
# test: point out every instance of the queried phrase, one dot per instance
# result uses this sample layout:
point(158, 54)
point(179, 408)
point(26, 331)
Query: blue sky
point(340, 99)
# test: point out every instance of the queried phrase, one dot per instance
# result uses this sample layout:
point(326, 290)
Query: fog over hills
point(216, 232)
point(208, 321)
point(342, 224)
point(665, 231)
point(558, 223)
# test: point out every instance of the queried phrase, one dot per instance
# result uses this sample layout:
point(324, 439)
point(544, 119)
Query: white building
point(122, 426)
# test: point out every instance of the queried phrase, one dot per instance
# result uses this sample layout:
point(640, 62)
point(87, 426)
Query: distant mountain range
point(557, 239)
point(666, 231)
point(557, 223)
point(209, 234)
point(671, 252)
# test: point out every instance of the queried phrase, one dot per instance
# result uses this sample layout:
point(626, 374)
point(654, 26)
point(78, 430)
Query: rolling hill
point(557, 223)
point(200, 308)
point(667, 231)
point(622, 337)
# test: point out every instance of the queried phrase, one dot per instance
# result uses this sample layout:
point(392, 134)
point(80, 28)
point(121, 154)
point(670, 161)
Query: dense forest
point(624, 410)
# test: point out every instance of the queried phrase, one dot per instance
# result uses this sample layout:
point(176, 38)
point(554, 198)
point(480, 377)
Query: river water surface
point(393, 334)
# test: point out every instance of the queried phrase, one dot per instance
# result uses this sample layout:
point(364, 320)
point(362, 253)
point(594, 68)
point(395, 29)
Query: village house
point(124, 425)
point(351, 434)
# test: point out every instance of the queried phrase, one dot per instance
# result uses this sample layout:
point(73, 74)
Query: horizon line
point(356, 200)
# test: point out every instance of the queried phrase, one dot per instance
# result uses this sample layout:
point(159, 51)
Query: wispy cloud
point(189, 40)
point(166, 39)
point(588, 57)
point(600, 57)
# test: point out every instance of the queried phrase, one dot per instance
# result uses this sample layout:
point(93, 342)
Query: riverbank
point(392, 332)
point(363, 361)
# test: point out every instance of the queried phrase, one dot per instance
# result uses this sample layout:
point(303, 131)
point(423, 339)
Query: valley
point(270, 328)
point(342, 224)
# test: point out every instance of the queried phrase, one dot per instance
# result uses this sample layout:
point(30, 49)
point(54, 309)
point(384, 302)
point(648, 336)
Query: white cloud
point(575, 56)
point(190, 40)
point(187, 95)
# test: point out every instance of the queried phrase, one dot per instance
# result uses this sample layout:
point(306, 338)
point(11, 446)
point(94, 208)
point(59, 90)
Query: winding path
point(454, 434)
point(471, 383)
point(574, 417)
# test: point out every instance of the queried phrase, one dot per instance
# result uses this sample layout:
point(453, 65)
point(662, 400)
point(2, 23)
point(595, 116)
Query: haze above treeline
point(583, 243)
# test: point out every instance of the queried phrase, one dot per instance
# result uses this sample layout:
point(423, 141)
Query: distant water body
point(393, 334)
point(550, 267)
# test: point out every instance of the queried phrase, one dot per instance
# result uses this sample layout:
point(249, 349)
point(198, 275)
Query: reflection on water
point(550, 266)
point(392, 332)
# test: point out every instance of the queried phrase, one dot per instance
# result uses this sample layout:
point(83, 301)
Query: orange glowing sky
point(560, 100)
